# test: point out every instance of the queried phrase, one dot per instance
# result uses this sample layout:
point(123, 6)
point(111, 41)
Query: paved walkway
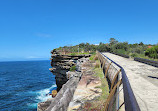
point(143, 79)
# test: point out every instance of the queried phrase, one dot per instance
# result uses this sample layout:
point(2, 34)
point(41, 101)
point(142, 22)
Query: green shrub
point(93, 53)
point(121, 51)
point(96, 57)
point(73, 54)
point(93, 57)
point(133, 55)
point(73, 68)
point(152, 52)
point(139, 50)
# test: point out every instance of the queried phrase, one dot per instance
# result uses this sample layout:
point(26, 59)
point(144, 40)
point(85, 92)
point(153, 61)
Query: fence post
point(107, 69)
point(113, 81)
point(111, 94)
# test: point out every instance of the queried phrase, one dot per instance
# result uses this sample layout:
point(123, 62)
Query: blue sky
point(30, 29)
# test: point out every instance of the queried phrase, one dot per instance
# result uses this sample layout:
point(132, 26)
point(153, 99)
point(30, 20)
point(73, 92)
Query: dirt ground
point(143, 79)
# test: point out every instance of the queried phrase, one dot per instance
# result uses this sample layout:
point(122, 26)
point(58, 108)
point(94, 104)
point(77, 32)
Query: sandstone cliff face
point(62, 64)
point(64, 96)
point(66, 80)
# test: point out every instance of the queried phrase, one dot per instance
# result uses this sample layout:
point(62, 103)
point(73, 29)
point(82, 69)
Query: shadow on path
point(153, 77)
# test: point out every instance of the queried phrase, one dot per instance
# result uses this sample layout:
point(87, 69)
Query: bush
point(103, 47)
point(92, 53)
point(96, 57)
point(139, 50)
point(152, 52)
point(92, 57)
point(73, 68)
point(73, 54)
point(133, 55)
point(120, 51)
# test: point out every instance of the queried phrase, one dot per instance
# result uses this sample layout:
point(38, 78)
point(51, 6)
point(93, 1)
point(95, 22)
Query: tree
point(87, 47)
point(103, 47)
point(113, 41)
point(141, 43)
point(81, 45)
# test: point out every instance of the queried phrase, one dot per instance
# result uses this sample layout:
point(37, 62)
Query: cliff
point(66, 80)
point(62, 64)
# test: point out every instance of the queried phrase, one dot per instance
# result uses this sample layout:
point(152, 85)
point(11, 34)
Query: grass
point(93, 57)
point(142, 56)
point(104, 84)
point(98, 104)
point(146, 57)
point(76, 53)
point(73, 68)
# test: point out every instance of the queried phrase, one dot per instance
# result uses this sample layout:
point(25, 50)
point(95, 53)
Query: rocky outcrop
point(66, 80)
point(63, 98)
point(62, 64)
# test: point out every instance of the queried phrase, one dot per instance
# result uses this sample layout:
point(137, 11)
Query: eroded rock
point(66, 81)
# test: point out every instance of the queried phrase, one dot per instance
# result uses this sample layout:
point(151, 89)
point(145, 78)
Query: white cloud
point(43, 35)
point(33, 57)
point(37, 58)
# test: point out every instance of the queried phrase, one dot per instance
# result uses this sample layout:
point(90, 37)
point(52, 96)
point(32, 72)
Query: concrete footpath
point(143, 79)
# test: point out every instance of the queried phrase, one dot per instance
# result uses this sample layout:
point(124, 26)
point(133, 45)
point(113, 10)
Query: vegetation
point(93, 57)
point(152, 52)
point(73, 68)
point(99, 102)
point(141, 50)
point(104, 85)
point(76, 53)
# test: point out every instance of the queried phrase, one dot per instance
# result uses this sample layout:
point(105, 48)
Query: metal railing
point(146, 61)
point(117, 81)
point(122, 55)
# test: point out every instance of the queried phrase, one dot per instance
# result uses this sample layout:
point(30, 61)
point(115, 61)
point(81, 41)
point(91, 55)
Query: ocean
point(23, 84)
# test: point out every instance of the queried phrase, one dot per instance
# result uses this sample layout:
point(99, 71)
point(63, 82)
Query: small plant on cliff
point(73, 54)
point(96, 57)
point(93, 57)
point(97, 65)
point(93, 53)
point(98, 103)
point(73, 68)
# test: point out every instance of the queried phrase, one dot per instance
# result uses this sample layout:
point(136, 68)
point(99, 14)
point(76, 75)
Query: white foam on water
point(41, 95)
point(33, 105)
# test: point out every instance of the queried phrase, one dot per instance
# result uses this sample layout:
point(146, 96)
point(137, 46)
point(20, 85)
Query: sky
point(30, 29)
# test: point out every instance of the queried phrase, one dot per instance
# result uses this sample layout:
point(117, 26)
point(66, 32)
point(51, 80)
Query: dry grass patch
point(99, 102)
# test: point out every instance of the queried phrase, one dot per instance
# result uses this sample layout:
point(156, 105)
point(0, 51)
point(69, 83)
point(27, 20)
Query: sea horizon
point(24, 60)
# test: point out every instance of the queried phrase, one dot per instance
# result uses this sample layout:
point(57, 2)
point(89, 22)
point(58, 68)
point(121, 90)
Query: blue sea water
point(23, 84)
